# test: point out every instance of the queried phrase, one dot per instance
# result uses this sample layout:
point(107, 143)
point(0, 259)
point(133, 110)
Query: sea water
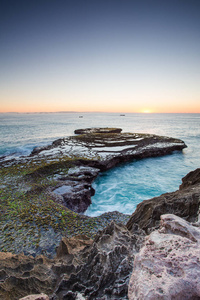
point(126, 185)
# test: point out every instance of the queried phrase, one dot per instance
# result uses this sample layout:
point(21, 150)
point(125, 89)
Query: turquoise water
point(123, 187)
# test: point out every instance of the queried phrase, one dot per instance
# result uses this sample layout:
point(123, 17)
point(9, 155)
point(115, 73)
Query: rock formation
point(84, 268)
point(106, 271)
point(168, 265)
point(165, 266)
point(99, 149)
point(183, 203)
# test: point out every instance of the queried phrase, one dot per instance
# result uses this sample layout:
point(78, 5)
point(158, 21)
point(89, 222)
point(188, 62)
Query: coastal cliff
point(82, 257)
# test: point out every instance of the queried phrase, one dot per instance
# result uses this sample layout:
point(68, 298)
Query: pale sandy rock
point(36, 297)
point(168, 266)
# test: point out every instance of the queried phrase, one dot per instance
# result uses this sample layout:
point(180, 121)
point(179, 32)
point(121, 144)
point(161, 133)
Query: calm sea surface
point(123, 187)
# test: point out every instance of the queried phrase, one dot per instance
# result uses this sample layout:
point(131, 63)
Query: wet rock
point(108, 146)
point(183, 203)
point(76, 195)
point(108, 264)
point(81, 173)
point(190, 179)
point(168, 266)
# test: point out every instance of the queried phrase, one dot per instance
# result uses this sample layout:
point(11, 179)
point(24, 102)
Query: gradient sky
point(119, 55)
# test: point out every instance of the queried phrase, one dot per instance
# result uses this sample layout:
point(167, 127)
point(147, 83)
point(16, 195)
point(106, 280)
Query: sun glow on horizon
point(147, 111)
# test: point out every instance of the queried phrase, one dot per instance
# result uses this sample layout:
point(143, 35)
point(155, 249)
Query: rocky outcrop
point(97, 130)
point(165, 266)
point(75, 189)
point(190, 179)
point(106, 271)
point(99, 149)
point(183, 203)
point(94, 269)
point(168, 266)
point(108, 146)
point(22, 275)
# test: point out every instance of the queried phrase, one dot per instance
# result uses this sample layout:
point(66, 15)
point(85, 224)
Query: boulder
point(168, 266)
point(76, 195)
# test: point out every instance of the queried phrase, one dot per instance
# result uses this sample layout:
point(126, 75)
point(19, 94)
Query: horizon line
point(66, 111)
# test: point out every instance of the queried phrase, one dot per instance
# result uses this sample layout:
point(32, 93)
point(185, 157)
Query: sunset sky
point(100, 55)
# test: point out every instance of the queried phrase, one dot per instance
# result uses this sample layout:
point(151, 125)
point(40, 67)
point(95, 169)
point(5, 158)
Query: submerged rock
point(168, 266)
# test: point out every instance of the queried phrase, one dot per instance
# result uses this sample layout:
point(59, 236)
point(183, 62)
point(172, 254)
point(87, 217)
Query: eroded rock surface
point(22, 275)
point(109, 146)
point(106, 271)
point(168, 266)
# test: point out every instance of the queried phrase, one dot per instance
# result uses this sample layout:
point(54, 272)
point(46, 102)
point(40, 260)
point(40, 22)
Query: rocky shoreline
point(122, 262)
point(95, 257)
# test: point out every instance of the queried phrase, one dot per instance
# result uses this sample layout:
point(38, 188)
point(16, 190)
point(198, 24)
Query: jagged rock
point(190, 179)
point(183, 203)
point(168, 266)
point(76, 195)
point(21, 275)
point(81, 173)
point(97, 130)
point(105, 273)
point(73, 245)
point(36, 297)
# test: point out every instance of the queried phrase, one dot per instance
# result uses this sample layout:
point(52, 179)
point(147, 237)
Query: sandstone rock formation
point(168, 265)
point(22, 275)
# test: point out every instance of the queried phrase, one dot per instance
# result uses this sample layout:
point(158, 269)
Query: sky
point(100, 55)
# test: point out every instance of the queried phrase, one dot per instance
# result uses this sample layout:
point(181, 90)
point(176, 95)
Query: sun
point(146, 111)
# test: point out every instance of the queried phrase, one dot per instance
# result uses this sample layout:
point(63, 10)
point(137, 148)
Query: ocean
point(123, 187)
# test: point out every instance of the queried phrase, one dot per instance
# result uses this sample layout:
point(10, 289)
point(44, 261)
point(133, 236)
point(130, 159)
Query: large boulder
point(168, 266)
